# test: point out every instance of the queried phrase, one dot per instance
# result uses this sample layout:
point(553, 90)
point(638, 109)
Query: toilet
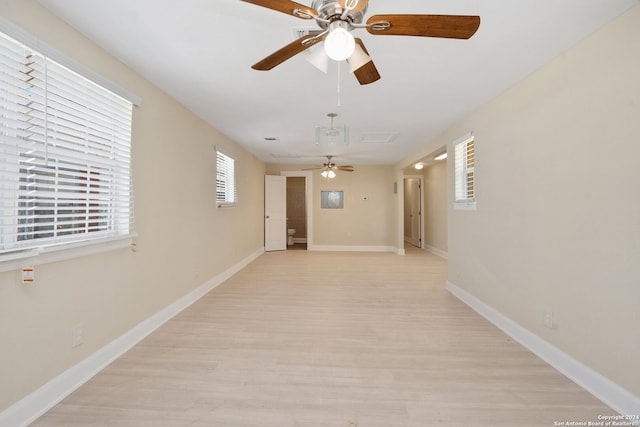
point(290, 232)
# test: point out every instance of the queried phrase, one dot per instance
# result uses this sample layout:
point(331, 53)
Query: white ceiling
point(200, 52)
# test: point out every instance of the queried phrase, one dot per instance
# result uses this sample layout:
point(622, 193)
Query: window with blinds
point(225, 180)
point(464, 152)
point(65, 146)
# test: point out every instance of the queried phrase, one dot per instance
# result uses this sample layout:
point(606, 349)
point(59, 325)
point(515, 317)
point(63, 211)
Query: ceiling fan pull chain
point(339, 84)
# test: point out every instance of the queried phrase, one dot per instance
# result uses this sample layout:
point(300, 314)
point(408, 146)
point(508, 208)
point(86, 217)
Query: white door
point(275, 213)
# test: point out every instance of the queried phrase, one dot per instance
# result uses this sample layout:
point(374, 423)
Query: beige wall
point(435, 206)
point(362, 222)
point(184, 240)
point(558, 221)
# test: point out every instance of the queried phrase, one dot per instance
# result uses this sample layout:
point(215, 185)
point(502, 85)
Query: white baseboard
point(437, 251)
point(337, 248)
point(602, 388)
point(30, 408)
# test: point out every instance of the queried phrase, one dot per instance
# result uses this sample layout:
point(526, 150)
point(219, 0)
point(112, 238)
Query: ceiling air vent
point(378, 138)
point(301, 32)
point(284, 156)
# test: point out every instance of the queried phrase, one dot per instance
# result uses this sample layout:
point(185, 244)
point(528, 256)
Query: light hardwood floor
point(328, 339)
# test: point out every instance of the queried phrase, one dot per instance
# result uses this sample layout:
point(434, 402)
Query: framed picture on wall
point(331, 199)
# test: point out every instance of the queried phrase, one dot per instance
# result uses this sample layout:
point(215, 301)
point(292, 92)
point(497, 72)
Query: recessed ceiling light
point(419, 166)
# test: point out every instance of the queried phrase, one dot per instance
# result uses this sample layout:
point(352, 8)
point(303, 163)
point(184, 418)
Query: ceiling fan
point(337, 18)
point(329, 168)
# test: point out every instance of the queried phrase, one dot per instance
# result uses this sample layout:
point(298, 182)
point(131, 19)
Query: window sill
point(46, 255)
point(464, 206)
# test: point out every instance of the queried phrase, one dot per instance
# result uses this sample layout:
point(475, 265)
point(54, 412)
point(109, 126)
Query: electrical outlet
point(28, 275)
point(549, 320)
point(77, 336)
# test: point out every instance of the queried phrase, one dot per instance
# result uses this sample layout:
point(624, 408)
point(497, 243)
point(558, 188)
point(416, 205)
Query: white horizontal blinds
point(469, 170)
point(225, 180)
point(464, 170)
point(66, 146)
point(14, 133)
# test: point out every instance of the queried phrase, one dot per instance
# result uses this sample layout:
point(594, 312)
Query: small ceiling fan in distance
point(329, 168)
point(337, 18)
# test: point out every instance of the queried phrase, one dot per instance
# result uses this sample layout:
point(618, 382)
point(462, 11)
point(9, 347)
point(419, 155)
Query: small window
point(225, 180)
point(464, 152)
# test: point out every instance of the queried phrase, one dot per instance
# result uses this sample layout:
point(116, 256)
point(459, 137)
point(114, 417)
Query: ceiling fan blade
point(345, 168)
point(368, 73)
point(287, 52)
point(444, 26)
point(286, 6)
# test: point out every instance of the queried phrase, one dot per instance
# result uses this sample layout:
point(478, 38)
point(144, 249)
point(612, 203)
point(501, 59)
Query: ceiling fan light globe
point(324, 174)
point(331, 174)
point(319, 59)
point(339, 44)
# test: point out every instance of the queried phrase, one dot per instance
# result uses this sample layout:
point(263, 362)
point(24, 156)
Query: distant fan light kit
point(329, 168)
point(337, 18)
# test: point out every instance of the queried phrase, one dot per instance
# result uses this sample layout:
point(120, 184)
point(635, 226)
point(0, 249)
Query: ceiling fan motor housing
point(329, 164)
point(330, 11)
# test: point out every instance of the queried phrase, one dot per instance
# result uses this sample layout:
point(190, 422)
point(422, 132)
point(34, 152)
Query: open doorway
point(433, 204)
point(296, 213)
point(299, 210)
point(413, 210)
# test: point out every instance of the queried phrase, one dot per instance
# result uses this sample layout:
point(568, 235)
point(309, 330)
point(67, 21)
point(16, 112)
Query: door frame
point(308, 200)
point(420, 179)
